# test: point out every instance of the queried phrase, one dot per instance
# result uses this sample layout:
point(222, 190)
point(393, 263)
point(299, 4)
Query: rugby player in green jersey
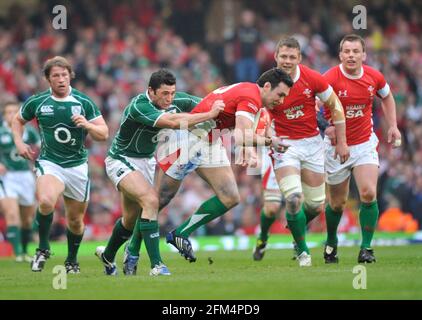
point(65, 117)
point(17, 185)
point(131, 166)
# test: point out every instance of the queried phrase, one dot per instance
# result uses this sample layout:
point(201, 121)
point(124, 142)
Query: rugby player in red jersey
point(300, 171)
point(356, 85)
point(201, 149)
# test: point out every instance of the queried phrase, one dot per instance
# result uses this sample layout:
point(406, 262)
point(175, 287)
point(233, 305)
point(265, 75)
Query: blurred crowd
point(115, 46)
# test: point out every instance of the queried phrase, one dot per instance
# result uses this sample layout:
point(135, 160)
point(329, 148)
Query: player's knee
point(291, 187)
point(165, 198)
point(294, 202)
point(149, 201)
point(271, 208)
point(75, 224)
point(314, 197)
point(12, 219)
point(230, 198)
point(46, 203)
point(338, 205)
point(27, 222)
point(367, 194)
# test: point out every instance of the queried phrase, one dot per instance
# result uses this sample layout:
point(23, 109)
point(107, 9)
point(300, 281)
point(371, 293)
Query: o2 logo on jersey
point(63, 135)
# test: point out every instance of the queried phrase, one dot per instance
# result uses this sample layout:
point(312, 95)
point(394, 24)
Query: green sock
point(368, 217)
point(209, 210)
point(26, 237)
point(119, 236)
point(44, 223)
point(266, 223)
point(309, 214)
point(151, 236)
point(297, 226)
point(73, 243)
point(135, 241)
point(332, 219)
point(13, 235)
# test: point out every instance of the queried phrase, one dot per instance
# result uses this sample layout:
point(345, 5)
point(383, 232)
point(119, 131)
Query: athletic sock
point(26, 238)
point(119, 236)
point(368, 217)
point(44, 224)
point(73, 243)
point(151, 237)
point(13, 235)
point(332, 219)
point(209, 210)
point(266, 223)
point(297, 226)
point(134, 245)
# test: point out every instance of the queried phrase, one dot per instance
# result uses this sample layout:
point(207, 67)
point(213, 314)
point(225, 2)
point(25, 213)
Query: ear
point(364, 57)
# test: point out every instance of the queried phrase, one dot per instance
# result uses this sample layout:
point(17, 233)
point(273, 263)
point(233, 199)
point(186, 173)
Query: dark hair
point(352, 38)
point(160, 77)
point(289, 42)
point(275, 76)
point(57, 61)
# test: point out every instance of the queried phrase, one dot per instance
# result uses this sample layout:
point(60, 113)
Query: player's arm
point(97, 128)
point(2, 169)
point(245, 136)
point(389, 108)
point(187, 120)
point(23, 149)
point(339, 121)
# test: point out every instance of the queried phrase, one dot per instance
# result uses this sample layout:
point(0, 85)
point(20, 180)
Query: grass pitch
point(232, 275)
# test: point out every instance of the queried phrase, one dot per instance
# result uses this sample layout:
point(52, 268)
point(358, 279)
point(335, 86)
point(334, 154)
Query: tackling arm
point(180, 120)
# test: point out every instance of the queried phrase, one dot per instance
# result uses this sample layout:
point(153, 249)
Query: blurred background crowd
point(114, 46)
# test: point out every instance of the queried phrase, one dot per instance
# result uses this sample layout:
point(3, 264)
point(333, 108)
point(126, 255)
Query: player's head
point(58, 72)
point(287, 54)
point(9, 110)
point(162, 88)
point(275, 85)
point(352, 53)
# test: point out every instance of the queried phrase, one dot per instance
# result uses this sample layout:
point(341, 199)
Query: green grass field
point(232, 275)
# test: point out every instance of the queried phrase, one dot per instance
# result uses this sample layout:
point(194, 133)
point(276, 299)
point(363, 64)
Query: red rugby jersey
point(356, 94)
point(296, 117)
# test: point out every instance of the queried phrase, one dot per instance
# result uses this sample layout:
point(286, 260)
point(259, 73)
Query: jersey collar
point(61, 99)
point(350, 76)
point(296, 78)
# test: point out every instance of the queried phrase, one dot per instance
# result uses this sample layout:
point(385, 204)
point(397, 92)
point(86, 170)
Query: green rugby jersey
point(61, 141)
point(136, 135)
point(8, 155)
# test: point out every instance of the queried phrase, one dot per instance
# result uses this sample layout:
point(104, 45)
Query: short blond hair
point(57, 61)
